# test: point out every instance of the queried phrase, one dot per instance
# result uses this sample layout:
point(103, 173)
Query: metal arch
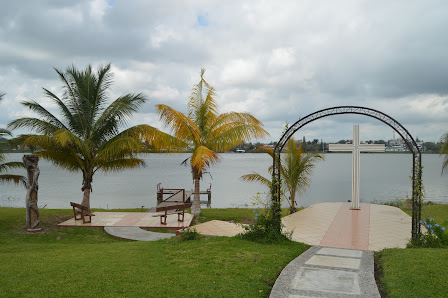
point(395, 125)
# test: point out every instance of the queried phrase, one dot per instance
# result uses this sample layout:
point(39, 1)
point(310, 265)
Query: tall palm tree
point(295, 171)
point(87, 136)
point(206, 132)
point(6, 166)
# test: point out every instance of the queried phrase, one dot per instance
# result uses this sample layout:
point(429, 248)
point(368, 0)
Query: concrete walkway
point(328, 272)
point(135, 233)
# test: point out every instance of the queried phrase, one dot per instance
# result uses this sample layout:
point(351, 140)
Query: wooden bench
point(82, 212)
point(178, 208)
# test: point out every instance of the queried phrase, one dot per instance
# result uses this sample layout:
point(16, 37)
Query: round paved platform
point(135, 233)
point(373, 227)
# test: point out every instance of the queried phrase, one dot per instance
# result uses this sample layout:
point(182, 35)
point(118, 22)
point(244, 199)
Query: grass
point(62, 261)
point(416, 272)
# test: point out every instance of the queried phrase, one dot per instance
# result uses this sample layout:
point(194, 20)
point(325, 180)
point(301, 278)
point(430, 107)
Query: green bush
point(264, 229)
point(187, 233)
point(434, 237)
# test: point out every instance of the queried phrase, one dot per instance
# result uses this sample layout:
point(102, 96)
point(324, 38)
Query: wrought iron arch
point(395, 125)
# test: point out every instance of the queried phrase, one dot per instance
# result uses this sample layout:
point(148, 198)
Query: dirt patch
point(48, 223)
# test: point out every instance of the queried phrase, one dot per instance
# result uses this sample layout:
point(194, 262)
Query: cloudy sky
point(279, 60)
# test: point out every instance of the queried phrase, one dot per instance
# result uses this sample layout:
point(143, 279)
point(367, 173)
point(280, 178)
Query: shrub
point(264, 229)
point(188, 233)
point(434, 236)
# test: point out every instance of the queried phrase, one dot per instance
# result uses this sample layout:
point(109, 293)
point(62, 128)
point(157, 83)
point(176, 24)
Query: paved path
point(328, 272)
point(135, 233)
point(219, 228)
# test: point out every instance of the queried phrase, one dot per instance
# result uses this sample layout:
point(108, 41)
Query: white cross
point(356, 148)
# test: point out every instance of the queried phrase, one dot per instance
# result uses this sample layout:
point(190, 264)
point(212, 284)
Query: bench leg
point(76, 212)
point(84, 218)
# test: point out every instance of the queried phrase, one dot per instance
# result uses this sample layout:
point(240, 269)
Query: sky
point(279, 60)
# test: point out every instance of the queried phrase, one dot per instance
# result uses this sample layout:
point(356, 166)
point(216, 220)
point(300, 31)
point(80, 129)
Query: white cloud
point(278, 60)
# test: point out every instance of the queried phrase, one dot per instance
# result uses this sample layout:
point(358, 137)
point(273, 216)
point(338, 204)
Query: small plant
point(188, 233)
point(264, 229)
point(435, 236)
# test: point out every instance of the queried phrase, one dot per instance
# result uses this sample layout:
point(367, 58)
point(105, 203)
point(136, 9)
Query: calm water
point(384, 177)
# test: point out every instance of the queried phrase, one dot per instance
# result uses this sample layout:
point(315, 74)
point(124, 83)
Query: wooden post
point(32, 211)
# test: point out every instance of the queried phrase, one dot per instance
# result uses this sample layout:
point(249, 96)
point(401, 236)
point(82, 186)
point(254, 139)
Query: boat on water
point(240, 151)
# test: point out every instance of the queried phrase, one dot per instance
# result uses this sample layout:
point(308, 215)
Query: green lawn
point(86, 261)
point(417, 272)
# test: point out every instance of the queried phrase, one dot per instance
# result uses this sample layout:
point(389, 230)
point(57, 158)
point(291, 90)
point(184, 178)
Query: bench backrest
point(171, 207)
point(79, 206)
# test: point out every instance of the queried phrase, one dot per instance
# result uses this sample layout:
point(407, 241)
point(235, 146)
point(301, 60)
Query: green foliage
point(6, 166)
point(188, 233)
point(88, 135)
point(206, 132)
point(434, 237)
point(444, 150)
point(296, 169)
point(267, 227)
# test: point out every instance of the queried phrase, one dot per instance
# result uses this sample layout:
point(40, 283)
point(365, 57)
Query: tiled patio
point(374, 227)
point(130, 219)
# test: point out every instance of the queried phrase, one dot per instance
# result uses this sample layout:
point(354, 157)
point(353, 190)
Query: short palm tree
point(206, 132)
point(295, 171)
point(6, 166)
point(88, 137)
point(444, 150)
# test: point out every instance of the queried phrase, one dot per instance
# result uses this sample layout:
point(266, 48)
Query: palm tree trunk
point(292, 207)
point(86, 197)
point(196, 206)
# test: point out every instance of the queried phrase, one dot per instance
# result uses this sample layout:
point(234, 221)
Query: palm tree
point(87, 136)
point(444, 150)
point(295, 171)
point(206, 132)
point(5, 166)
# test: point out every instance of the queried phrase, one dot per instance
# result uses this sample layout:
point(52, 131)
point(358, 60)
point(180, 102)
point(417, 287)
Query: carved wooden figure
point(32, 211)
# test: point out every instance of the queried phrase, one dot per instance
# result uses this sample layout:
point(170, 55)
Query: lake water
point(384, 177)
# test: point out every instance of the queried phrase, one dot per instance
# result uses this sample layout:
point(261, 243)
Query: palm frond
point(7, 166)
point(117, 149)
point(116, 115)
point(156, 138)
point(255, 177)
point(66, 113)
point(202, 158)
point(16, 179)
point(234, 135)
point(5, 132)
point(180, 125)
point(121, 164)
point(62, 156)
point(34, 124)
point(44, 114)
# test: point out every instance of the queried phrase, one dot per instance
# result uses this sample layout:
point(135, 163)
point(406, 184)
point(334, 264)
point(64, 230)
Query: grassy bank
point(80, 261)
point(416, 272)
